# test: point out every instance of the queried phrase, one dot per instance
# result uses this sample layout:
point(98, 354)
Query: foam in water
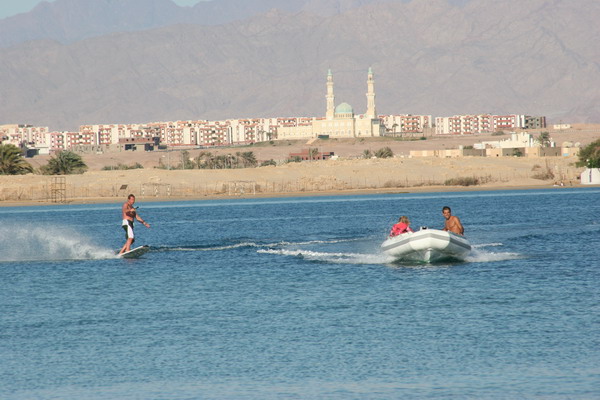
point(479, 254)
point(337, 258)
point(43, 243)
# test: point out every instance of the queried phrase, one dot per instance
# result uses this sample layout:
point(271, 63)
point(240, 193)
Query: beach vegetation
point(12, 161)
point(122, 167)
point(384, 152)
point(542, 173)
point(64, 163)
point(589, 156)
point(247, 159)
point(267, 163)
point(186, 161)
point(367, 153)
point(207, 160)
point(462, 181)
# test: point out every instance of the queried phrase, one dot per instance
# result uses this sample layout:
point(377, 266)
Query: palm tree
point(204, 160)
point(367, 153)
point(589, 156)
point(220, 162)
point(249, 159)
point(239, 160)
point(64, 163)
point(12, 161)
point(544, 139)
point(384, 152)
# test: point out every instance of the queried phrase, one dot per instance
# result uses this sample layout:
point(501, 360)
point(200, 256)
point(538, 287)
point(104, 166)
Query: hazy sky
point(11, 7)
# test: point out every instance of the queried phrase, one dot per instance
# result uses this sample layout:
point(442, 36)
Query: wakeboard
point(136, 253)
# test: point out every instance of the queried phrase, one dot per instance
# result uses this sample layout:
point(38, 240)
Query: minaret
point(330, 97)
point(371, 112)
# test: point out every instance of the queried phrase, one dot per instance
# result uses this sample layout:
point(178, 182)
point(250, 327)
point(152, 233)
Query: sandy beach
point(350, 174)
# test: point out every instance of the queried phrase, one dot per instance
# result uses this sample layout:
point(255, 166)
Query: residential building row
point(486, 123)
point(245, 131)
point(339, 122)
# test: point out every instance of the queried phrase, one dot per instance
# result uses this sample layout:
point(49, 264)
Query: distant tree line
point(208, 160)
point(384, 152)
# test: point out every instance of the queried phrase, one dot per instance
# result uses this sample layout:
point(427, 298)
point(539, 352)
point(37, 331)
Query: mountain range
point(74, 62)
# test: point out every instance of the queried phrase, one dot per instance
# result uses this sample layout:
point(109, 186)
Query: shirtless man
point(129, 214)
point(452, 223)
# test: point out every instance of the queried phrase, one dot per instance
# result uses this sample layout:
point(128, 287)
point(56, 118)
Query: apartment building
point(405, 123)
point(57, 141)
point(23, 135)
point(485, 123)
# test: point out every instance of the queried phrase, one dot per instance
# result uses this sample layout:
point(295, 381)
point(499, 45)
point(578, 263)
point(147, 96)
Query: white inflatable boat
point(427, 245)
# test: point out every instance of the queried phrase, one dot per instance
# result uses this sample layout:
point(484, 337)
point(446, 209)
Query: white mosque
point(340, 121)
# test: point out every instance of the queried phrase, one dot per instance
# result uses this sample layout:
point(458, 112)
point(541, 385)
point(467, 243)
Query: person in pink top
point(403, 226)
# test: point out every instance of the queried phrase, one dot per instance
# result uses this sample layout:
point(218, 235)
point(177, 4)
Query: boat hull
point(427, 245)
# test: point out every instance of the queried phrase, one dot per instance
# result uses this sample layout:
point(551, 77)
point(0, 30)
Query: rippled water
point(291, 298)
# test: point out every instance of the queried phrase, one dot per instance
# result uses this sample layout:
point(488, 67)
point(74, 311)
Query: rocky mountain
point(67, 21)
point(429, 57)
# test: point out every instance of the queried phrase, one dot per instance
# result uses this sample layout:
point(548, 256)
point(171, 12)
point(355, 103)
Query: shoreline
point(328, 193)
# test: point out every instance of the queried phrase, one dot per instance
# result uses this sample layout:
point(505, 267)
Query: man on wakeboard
point(129, 215)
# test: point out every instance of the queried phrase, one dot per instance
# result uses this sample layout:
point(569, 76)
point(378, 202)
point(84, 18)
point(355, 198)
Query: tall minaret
point(330, 97)
point(371, 112)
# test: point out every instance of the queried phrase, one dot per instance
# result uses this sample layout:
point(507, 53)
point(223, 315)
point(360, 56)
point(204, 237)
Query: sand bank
point(356, 176)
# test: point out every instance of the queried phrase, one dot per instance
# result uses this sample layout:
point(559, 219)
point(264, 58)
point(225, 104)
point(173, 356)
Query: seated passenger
point(403, 226)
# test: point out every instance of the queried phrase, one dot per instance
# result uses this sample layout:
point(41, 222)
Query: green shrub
point(268, 162)
point(384, 152)
point(122, 167)
point(462, 181)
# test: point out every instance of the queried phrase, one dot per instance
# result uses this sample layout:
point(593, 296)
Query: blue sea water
point(292, 299)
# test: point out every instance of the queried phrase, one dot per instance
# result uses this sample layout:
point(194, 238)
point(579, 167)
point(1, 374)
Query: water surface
point(292, 298)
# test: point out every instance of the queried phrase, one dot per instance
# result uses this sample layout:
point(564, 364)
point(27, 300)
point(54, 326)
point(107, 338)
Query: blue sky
point(11, 7)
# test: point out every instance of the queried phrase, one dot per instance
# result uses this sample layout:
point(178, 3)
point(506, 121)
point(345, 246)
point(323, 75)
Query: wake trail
point(336, 258)
point(250, 244)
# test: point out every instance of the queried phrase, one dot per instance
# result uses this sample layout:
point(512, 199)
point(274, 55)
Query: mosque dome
point(344, 108)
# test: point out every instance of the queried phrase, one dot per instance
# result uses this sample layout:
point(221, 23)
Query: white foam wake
point(42, 243)
point(478, 255)
point(478, 246)
point(338, 258)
